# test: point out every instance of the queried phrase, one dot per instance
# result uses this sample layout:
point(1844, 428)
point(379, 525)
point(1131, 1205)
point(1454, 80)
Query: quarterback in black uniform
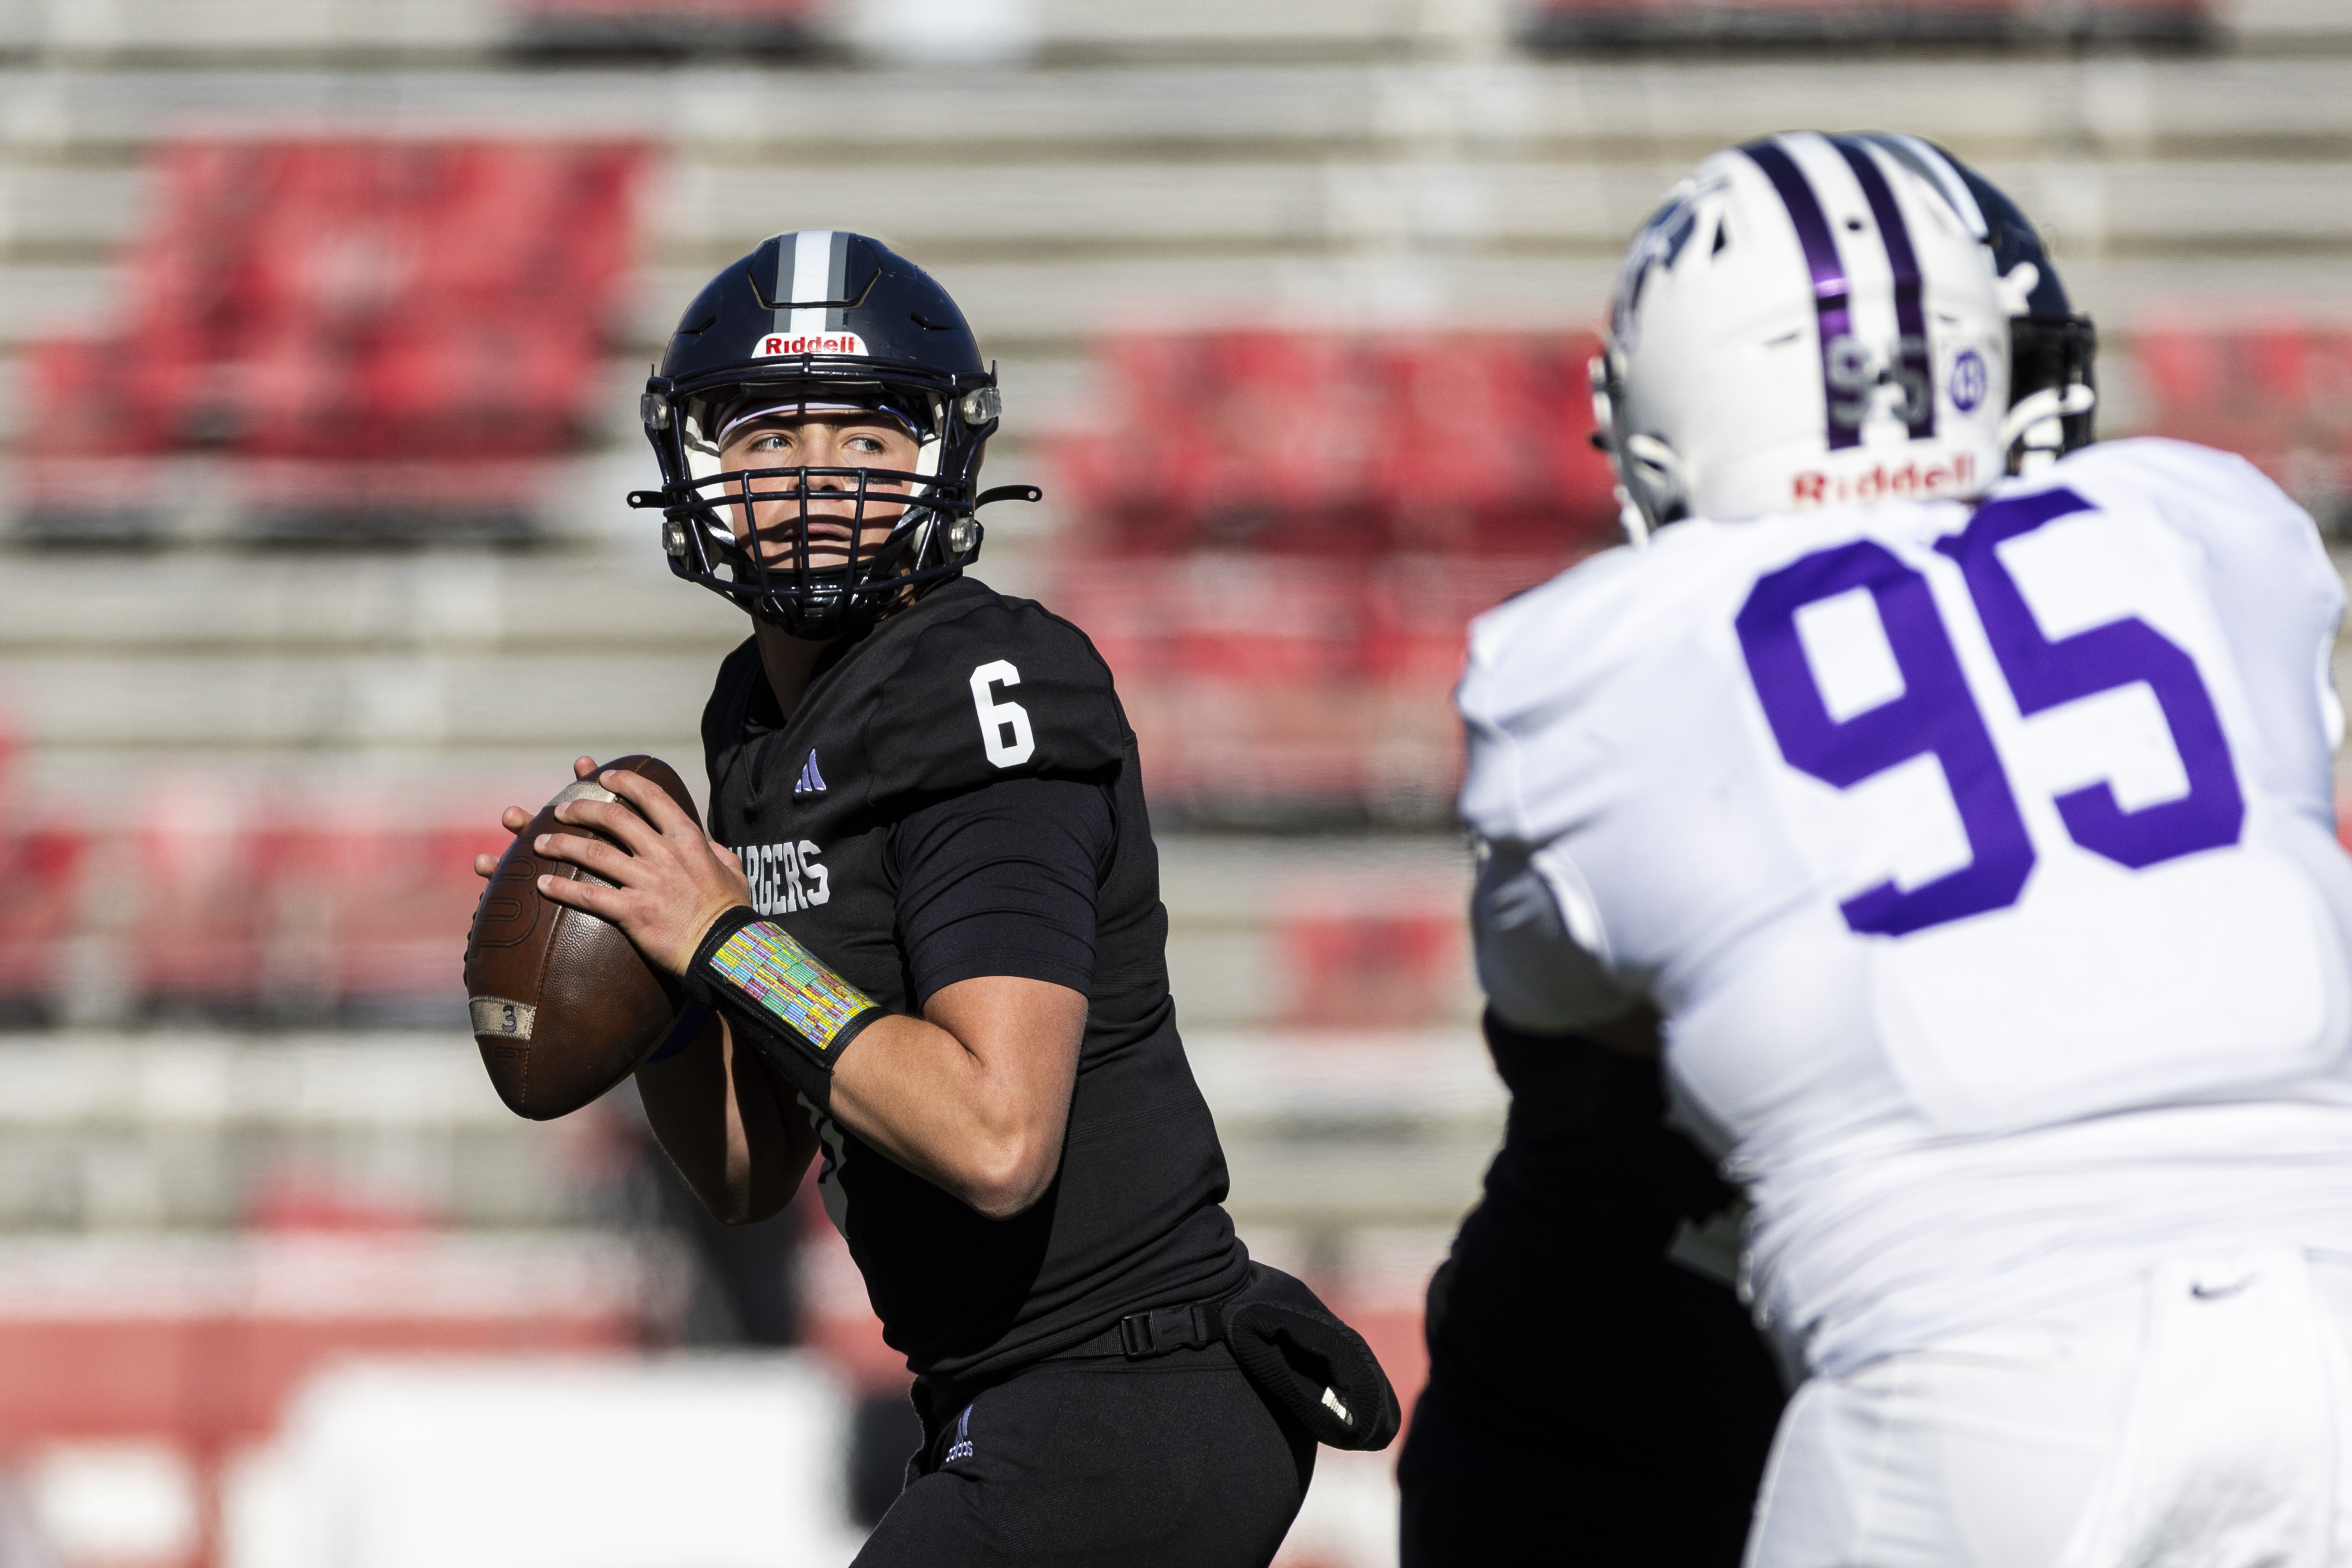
point(926, 921)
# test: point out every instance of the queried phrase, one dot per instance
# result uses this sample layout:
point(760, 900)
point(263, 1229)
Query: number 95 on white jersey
point(2025, 810)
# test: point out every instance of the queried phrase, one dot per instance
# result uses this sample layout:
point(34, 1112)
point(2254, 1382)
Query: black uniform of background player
point(887, 829)
point(1590, 1402)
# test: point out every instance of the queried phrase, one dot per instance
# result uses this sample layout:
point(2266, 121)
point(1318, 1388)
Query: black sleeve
point(723, 714)
point(1005, 690)
point(1002, 880)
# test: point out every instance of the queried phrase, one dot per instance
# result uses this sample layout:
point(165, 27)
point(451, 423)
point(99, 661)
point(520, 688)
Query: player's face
point(849, 441)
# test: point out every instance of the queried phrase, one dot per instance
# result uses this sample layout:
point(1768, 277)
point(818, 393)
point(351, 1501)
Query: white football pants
point(2195, 1418)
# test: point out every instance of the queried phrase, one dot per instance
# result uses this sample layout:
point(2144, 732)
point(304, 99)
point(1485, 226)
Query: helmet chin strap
point(2034, 423)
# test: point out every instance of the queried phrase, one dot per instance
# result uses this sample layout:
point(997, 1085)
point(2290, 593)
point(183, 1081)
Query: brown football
point(563, 1006)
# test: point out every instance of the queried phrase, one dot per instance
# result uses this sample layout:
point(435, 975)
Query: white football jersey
point(1982, 861)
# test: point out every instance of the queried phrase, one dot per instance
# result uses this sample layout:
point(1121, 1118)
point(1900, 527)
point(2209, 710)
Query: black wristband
point(755, 970)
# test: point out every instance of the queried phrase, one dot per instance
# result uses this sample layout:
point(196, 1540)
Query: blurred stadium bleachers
point(387, 338)
point(318, 326)
point(1279, 536)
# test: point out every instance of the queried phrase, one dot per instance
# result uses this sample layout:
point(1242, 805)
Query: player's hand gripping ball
point(563, 1005)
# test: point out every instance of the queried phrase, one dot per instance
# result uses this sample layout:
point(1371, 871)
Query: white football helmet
point(1808, 321)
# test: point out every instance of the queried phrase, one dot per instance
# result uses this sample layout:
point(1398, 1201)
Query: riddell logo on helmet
point(776, 343)
point(1911, 481)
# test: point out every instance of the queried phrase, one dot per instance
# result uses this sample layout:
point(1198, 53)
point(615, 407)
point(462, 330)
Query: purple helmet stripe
point(1910, 319)
point(1830, 288)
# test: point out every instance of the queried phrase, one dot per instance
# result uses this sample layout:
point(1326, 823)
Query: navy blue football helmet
point(824, 319)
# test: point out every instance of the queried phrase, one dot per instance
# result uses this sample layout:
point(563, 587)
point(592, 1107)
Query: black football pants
point(1473, 1496)
point(1175, 1462)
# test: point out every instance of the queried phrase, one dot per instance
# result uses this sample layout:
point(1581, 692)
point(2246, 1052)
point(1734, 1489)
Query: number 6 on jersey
point(1004, 730)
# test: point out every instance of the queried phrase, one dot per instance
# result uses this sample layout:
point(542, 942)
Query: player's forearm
point(916, 1092)
point(974, 1096)
point(715, 1111)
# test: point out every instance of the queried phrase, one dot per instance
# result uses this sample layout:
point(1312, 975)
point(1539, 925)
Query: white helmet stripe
point(1927, 161)
point(812, 278)
point(1833, 303)
point(1911, 352)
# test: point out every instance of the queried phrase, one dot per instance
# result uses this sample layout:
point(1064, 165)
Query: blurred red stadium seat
point(202, 916)
point(348, 304)
point(1280, 537)
point(1336, 446)
point(42, 895)
point(275, 909)
point(2278, 393)
point(1354, 969)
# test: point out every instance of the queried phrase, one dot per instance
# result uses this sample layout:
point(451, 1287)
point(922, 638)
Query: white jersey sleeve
point(1981, 859)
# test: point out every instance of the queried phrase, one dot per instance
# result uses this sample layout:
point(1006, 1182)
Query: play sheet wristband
point(756, 970)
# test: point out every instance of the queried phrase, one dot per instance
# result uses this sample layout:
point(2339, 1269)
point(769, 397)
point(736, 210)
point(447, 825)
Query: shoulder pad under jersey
point(1003, 689)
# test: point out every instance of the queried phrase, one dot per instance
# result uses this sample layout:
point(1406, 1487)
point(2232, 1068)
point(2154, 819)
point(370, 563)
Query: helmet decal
point(1832, 302)
point(784, 344)
point(1914, 369)
point(1660, 244)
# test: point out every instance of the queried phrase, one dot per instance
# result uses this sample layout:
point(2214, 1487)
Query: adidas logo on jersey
point(811, 782)
point(961, 1447)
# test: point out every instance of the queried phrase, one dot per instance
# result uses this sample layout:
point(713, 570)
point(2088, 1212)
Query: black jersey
point(836, 811)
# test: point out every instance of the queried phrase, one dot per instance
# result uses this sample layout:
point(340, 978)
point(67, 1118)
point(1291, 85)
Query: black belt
point(1302, 1360)
point(1162, 1330)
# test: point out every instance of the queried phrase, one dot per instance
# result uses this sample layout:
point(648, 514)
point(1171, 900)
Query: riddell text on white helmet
point(1910, 481)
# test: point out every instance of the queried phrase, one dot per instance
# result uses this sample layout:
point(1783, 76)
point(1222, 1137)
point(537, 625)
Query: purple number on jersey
point(1933, 714)
point(2044, 675)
